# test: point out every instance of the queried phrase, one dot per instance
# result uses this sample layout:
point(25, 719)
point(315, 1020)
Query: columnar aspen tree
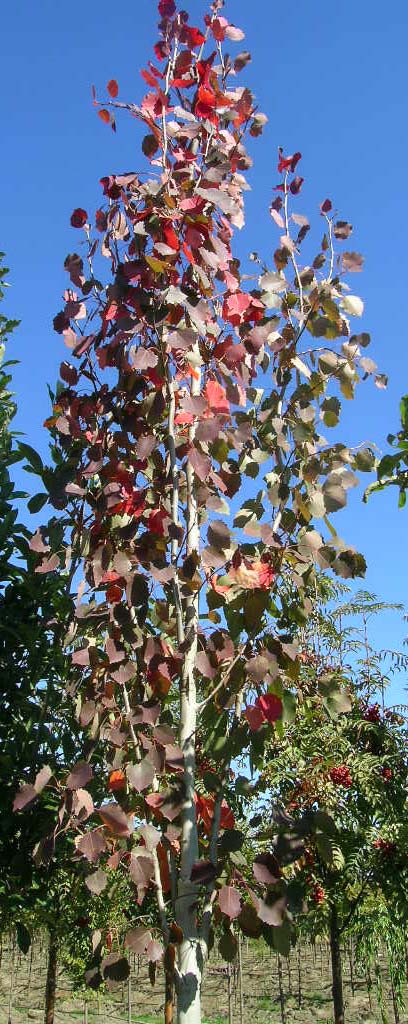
point(187, 380)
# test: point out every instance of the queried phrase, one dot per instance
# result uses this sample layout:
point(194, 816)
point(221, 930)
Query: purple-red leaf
point(113, 88)
point(80, 775)
point(203, 872)
point(138, 939)
point(115, 819)
point(229, 901)
point(24, 798)
point(141, 775)
point(91, 845)
point(79, 217)
point(97, 882)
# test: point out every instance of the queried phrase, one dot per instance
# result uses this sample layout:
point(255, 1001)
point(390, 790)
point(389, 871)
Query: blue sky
point(331, 79)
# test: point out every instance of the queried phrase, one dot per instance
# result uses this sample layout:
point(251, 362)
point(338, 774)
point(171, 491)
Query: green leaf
point(404, 412)
point(231, 840)
point(37, 502)
point(289, 706)
point(254, 607)
point(33, 458)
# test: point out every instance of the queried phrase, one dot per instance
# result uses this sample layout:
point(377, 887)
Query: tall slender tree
point(189, 377)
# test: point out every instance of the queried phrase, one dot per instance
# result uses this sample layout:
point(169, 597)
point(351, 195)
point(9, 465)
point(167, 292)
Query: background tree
point(392, 468)
point(354, 769)
point(192, 376)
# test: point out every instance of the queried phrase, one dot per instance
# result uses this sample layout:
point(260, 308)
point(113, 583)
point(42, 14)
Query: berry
point(318, 894)
point(372, 713)
point(387, 774)
point(340, 776)
point(386, 847)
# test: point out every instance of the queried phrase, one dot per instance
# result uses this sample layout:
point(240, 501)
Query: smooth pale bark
point(190, 956)
point(189, 981)
point(337, 973)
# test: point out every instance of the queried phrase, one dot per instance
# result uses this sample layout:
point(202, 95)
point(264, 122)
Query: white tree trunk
point(189, 982)
point(190, 958)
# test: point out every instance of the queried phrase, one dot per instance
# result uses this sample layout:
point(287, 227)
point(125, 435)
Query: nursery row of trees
point(194, 729)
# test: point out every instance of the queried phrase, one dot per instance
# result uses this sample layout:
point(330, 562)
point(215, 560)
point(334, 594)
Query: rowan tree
point(392, 468)
point(351, 772)
point(188, 378)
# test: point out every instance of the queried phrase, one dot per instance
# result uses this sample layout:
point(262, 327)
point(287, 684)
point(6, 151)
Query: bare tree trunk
point(230, 1010)
point(369, 984)
point(240, 988)
point(299, 993)
point(168, 996)
point(351, 965)
point(395, 1003)
point(31, 965)
point(281, 992)
point(51, 983)
point(11, 987)
point(337, 974)
point(129, 999)
point(288, 965)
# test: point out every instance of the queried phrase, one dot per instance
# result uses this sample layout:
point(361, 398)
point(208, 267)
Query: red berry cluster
point(318, 894)
point(341, 776)
point(372, 713)
point(386, 847)
point(387, 774)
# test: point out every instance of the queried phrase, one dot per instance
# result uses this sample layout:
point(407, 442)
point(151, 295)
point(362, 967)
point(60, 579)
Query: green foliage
point(392, 468)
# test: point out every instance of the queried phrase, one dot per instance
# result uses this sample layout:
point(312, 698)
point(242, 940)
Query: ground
point(23, 985)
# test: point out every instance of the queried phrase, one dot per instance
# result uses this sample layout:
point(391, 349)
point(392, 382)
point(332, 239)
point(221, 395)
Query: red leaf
point(68, 373)
point(326, 206)
point(271, 706)
point(117, 780)
point(229, 901)
point(254, 717)
point(167, 8)
point(287, 163)
point(227, 819)
point(216, 397)
point(113, 88)
point(192, 36)
point(296, 185)
point(79, 217)
point(104, 116)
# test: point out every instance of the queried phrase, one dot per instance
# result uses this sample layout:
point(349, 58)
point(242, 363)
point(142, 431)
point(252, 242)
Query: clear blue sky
point(332, 79)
